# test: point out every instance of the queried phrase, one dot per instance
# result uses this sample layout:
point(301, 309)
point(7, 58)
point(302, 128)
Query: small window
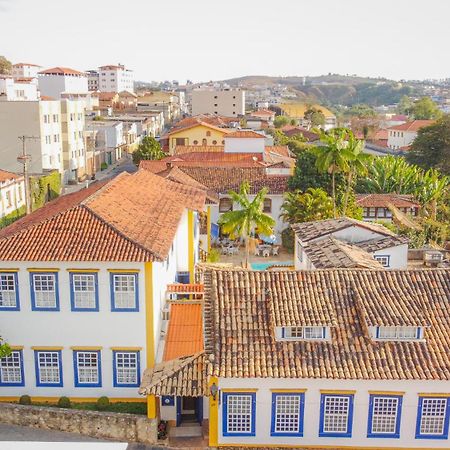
point(336, 415)
point(195, 142)
point(304, 333)
point(11, 369)
point(126, 369)
point(372, 212)
point(384, 416)
point(223, 142)
point(48, 368)
point(214, 142)
point(433, 418)
point(239, 412)
point(400, 333)
point(208, 133)
point(225, 205)
point(87, 366)
point(9, 292)
point(287, 414)
point(384, 260)
point(179, 141)
point(44, 291)
point(84, 291)
point(124, 292)
point(267, 208)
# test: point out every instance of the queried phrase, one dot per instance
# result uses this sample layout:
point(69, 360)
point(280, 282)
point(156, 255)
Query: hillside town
point(250, 262)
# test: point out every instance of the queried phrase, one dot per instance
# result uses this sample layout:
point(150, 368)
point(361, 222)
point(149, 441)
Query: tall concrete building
point(115, 78)
point(53, 82)
point(221, 102)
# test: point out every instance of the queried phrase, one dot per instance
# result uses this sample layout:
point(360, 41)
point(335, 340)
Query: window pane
point(48, 364)
point(7, 290)
point(126, 368)
point(239, 413)
point(287, 413)
point(45, 291)
point(384, 415)
point(84, 290)
point(10, 369)
point(335, 416)
point(87, 365)
point(397, 332)
point(432, 420)
point(124, 291)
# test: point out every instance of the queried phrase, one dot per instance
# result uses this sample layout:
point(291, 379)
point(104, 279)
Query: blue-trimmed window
point(9, 292)
point(398, 333)
point(384, 260)
point(87, 368)
point(44, 291)
point(239, 413)
point(384, 416)
point(433, 418)
point(126, 369)
point(11, 369)
point(48, 365)
point(336, 415)
point(182, 277)
point(84, 291)
point(287, 414)
point(124, 292)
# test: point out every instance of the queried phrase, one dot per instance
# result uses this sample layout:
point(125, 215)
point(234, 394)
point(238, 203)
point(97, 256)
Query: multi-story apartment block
point(114, 78)
point(53, 82)
point(12, 193)
point(17, 89)
point(222, 102)
point(109, 141)
point(25, 70)
point(93, 80)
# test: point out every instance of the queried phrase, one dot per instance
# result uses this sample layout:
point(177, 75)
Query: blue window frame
point(9, 292)
point(126, 369)
point(336, 415)
point(384, 416)
point(44, 291)
point(124, 292)
point(433, 416)
point(287, 414)
point(239, 413)
point(48, 368)
point(11, 369)
point(167, 400)
point(182, 277)
point(384, 260)
point(87, 368)
point(84, 291)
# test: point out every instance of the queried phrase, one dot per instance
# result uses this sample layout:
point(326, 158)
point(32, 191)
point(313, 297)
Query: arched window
point(267, 208)
point(225, 204)
point(208, 133)
point(214, 142)
point(223, 142)
point(195, 142)
point(204, 142)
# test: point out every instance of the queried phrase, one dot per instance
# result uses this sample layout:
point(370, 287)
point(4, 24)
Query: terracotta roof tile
point(61, 71)
point(372, 245)
point(415, 125)
point(181, 288)
point(240, 134)
point(384, 200)
point(6, 176)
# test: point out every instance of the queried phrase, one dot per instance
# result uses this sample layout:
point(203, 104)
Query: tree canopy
point(149, 148)
point(315, 116)
point(5, 66)
point(424, 109)
point(281, 121)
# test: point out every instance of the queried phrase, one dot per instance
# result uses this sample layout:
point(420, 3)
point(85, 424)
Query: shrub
point(103, 166)
point(25, 400)
point(287, 239)
point(64, 402)
point(102, 403)
point(214, 255)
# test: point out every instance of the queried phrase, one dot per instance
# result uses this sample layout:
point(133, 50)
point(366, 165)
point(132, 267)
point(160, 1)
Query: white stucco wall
point(398, 256)
point(312, 412)
point(241, 145)
point(54, 85)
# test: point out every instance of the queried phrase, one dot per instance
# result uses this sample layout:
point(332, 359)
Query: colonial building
point(313, 359)
point(12, 194)
point(86, 276)
point(401, 136)
point(381, 206)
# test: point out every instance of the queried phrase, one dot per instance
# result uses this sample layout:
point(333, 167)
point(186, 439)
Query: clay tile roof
point(181, 288)
point(240, 340)
point(106, 96)
point(6, 176)
point(262, 113)
point(415, 125)
point(372, 245)
point(384, 200)
point(292, 130)
point(131, 218)
point(330, 253)
point(244, 134)
point(184, 376)
point(312, 230)
point(61, 71)
point(196, 123)
point(185, 332)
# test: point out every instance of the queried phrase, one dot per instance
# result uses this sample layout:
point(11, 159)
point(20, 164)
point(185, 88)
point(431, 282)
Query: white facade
point(53, 84)
point(24, 70)
point(115, 79)
point(247, 145)
point(12, 194)
point(398, 139)
point(222, 102)
point(93, 78)
point(11, 90)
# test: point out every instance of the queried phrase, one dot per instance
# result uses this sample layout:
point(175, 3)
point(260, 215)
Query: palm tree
point(333, 157)
point(249, 217)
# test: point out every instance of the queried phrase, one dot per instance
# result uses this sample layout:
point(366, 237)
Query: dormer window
point(306, 333)
point(399, 333)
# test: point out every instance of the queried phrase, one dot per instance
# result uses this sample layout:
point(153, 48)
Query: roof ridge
point(109, 184)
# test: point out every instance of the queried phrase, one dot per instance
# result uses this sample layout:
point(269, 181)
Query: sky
point(204, 40)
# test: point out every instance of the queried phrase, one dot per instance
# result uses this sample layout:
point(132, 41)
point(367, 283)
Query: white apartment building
point(93, 80)
point(12, 89)
point(114, 78)
point(41, 122)
point(402, 136)
point(12, 193)
point(221, 102)
point(53, 82)
point(25, 70)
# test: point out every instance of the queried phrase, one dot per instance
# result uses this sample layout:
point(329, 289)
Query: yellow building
point(297, 111)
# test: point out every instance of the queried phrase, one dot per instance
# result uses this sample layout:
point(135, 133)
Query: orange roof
point(61, 71)
point(47, 98)
point(180, 288)
point(262, 113)
point(415, 125)
point(111, 67)
point(107, 96)
point(197, 124)
point(384, 200)
point(245, 134)
point(185, 332)
point(6, 176)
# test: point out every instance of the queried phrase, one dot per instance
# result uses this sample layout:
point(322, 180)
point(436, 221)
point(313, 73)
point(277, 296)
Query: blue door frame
point(178, 406)
point(198, 410)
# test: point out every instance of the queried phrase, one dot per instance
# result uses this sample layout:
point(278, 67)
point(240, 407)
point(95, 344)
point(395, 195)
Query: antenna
point(24, 159)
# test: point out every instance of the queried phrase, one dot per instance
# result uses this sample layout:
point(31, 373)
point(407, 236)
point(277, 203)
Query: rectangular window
point(287, 414)
point(11, 369)
point(124, 292)
point(304, 332)
point(8, 199)
point(384, 416)
point(398, 333)
point(433, 418)
point(87, 366)
point(9, 292)
point(336, 415)
point(84, 291)
point(239, 413)
point(384, 260)
point(44, 291)
point(55, 118)
point(48, 368)
point(126, 369)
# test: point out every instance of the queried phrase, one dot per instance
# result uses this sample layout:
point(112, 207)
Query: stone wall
point(102, 425)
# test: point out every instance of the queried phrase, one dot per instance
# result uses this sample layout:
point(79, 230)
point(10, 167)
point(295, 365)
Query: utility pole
point(24, 159)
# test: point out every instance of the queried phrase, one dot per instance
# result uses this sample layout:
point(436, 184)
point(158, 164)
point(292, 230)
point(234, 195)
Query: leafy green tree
point(431, 148)
point(280, 121)
point(361, 110)
point(405, 105)
point(5, 349)
point(425, 108)
point(314, 204)
point(315, 116)
point(149, 148)
point(244, 222)
point(5, 66)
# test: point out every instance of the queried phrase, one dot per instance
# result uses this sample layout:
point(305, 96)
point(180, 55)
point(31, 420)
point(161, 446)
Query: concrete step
point(186, 430)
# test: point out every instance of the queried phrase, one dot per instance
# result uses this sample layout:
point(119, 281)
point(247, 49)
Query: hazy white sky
point(209, 39)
